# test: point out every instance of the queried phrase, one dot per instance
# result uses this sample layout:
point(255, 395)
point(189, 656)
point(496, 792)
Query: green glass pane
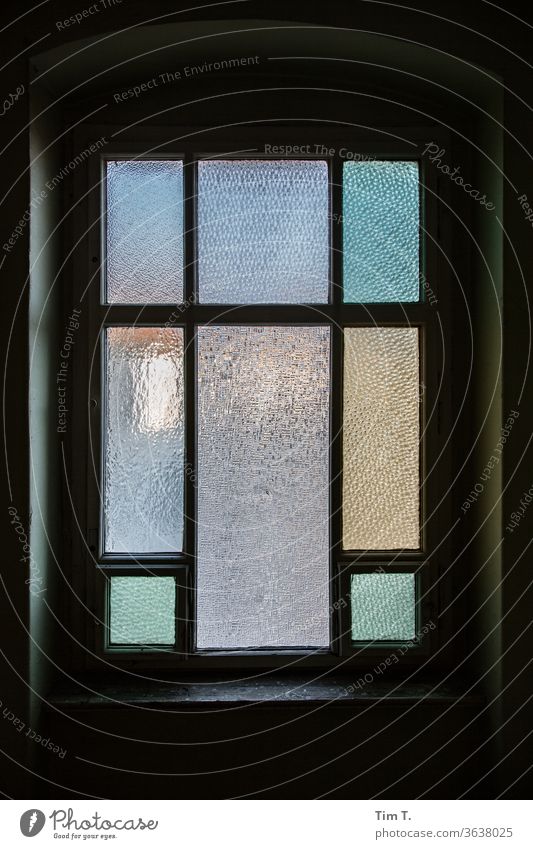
point(381, 220)
point(383, 607)
point(142, 611)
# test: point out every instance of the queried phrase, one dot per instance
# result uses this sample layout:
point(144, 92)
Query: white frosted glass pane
point(142, 610)
point(381, 438)
point(263, 232)
point(381, 221)
point(263, 486)
point(383, 607)
point(143, 503)
point(144, 232)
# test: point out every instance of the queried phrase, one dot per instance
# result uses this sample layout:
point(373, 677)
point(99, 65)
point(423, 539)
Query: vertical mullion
point(435, 475)
point(190, 376)
point(336, 401)
point(189, 365)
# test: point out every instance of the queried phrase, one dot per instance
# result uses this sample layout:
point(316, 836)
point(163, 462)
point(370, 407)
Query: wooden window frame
point(91, 568)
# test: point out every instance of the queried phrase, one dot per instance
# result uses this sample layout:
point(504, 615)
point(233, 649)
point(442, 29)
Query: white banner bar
point(268, 824)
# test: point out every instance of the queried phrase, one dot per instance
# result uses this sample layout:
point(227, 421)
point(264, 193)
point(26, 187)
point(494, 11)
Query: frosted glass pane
point(142, 610)
point(381, 438)
point(263, 232)
point(381, 231)
point(263, 486)
point(144, 232)
point(383, 607)
point(144, 440)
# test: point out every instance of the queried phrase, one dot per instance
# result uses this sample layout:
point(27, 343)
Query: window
point(263, 387)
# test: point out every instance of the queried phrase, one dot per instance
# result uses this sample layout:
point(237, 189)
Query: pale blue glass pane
point(142, 610)
point(263, 487)
point(144, 247)
point(381, 219)
point(144, 428)
point(263, 232)
point(383, 607)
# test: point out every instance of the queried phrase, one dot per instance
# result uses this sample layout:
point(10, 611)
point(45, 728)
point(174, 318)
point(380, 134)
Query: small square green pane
point(142, 611)
point(383, 607)
point(381, 220)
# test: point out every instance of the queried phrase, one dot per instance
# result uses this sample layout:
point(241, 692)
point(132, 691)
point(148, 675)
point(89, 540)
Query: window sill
point(260, 691)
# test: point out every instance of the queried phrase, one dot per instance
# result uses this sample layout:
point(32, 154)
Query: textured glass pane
point(144, 440)
point(263, 232)
point(381, 231)
point(381, 438)
point(142, 610)
point(263, 501)
point(383, 607)
point(144, 232)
